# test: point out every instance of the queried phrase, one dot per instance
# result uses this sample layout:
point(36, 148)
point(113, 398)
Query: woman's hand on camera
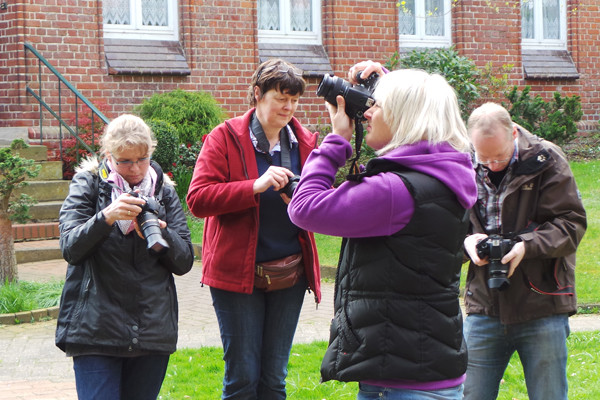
point(125, 207)
point(275, 176)
point(367, 67)
point(341, 124)
point(161, 224)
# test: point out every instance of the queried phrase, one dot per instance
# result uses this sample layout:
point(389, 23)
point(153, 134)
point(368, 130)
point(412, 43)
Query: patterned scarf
point(120, 186)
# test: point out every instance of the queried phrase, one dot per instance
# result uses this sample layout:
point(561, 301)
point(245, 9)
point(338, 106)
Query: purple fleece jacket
point(379, 205)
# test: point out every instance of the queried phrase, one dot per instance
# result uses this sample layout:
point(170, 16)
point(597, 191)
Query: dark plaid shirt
point(490, 197)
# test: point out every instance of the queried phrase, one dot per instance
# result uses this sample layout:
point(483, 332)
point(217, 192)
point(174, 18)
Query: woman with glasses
point(397, 328)
point(242, 167)
point(118, 313)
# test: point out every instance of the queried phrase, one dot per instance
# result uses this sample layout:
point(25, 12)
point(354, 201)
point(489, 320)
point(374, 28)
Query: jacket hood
point(442, 162)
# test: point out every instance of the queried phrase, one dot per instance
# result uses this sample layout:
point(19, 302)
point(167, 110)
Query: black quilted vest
point(397, 313)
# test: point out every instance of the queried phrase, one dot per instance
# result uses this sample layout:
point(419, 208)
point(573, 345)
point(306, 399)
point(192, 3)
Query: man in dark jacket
point(527, 195)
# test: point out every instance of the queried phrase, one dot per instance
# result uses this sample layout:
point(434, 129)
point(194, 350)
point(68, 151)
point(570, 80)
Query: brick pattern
point(34, 231)
point(219, 42)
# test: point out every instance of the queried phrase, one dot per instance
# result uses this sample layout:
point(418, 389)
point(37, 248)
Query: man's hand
point(470, 244)
point(514, 257)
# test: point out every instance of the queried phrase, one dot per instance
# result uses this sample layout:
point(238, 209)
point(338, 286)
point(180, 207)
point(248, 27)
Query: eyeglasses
point(486, 163)
point(128, 164)
point(283, 68)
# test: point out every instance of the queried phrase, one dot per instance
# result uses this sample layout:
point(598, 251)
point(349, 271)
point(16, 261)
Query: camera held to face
point(147, 220)
point(359, 98)
point(289, 188)
point(495, 247)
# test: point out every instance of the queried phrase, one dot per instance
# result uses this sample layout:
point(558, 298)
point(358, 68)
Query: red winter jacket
point(221, 191)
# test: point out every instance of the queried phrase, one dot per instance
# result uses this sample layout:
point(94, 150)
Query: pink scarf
point(120, 186)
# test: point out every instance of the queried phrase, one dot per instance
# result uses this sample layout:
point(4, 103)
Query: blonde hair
point(127, 131)
point(487, 118)
point(420, 106)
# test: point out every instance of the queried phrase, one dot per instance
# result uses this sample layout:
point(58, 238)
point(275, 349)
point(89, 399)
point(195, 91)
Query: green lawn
point(198, 373)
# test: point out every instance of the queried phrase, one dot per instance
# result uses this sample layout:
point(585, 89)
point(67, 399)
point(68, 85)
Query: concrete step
point(35, 231)
point(37, 250)
point(48, 190)
point(51, 170)
point(34, 152)
point(45, 211)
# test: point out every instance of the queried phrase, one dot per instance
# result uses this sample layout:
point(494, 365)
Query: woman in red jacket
point(240, 185)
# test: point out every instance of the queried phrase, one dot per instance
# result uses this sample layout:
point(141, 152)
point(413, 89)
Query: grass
point(26, 296)
point(188, 365)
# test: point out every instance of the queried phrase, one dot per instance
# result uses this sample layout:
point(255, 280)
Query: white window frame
point(538, 42)
point(137, 31)
point(285, 35)
point(422, 40)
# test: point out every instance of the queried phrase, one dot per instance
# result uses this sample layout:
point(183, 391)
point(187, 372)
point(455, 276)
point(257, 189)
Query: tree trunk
point(8, 260)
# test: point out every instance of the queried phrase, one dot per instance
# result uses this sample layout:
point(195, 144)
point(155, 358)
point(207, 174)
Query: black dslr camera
point(495, 247)
point(289, 188)
point(147, 220)
point(358, 97)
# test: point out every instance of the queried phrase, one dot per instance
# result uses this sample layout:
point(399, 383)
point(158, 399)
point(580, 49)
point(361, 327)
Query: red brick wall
point(485, 34)
point(219, 38)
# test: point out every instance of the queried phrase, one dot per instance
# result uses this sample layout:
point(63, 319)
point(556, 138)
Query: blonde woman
point(118, 313)
point(397, 328)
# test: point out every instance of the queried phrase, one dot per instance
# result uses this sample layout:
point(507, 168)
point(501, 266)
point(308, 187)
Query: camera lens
point(330, 87)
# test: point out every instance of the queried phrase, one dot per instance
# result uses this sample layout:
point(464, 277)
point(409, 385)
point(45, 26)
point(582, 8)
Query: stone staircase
point(37, 240)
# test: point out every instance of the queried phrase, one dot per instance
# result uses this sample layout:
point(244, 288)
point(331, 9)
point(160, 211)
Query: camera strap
point(264, 146)
point(358, 139)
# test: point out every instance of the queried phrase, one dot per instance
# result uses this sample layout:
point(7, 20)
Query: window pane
point(551, 12)
point(434, 20)
point(116, 12)
point(268, 15)
point(301, 15)
point(527, 28)
point(407, 18)
point(155, 13)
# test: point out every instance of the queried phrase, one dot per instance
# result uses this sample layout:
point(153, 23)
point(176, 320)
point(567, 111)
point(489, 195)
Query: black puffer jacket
point(117, 298)
point(397, 314)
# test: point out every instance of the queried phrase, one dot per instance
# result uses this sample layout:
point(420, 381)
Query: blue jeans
point(114, 378)
point(370, 392)
point(257, 331)
point(541, 345)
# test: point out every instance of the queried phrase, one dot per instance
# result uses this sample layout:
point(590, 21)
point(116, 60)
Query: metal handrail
point(58, 115)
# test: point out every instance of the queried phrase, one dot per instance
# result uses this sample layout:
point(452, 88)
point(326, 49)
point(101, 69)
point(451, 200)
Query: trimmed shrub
point(554, 120)
point(193, 114)
point(167, 143)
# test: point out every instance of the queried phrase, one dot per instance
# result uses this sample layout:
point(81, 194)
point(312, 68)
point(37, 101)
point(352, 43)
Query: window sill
point(145, 57)
point(548, 64)
point(311, 59)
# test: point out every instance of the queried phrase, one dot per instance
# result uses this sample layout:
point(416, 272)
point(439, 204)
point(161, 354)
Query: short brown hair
point(276, 74)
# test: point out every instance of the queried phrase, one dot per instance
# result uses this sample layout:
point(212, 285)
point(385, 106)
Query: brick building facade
point(218, 44)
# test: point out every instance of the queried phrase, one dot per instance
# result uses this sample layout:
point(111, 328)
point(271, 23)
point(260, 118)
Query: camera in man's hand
point(495, 247)
point(359, 97)
point(289, 188)
point(147, 220)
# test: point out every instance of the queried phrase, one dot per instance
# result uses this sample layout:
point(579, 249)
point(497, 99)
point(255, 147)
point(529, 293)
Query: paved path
point(32, 368)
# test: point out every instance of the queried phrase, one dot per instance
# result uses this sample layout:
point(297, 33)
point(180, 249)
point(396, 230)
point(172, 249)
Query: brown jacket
point(542, 191)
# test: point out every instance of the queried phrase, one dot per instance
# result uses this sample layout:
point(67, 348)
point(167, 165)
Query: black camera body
point(147, 220)
point(359, 97)
point(289, 188)
point(495, 247)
